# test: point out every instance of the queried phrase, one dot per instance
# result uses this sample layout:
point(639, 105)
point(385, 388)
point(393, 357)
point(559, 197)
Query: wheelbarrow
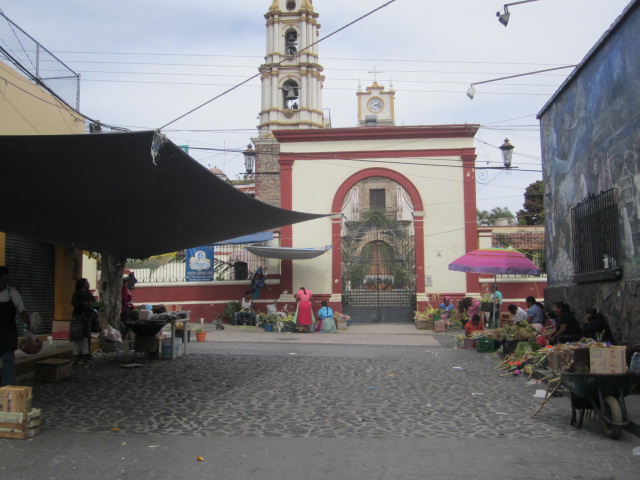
point(601, 393)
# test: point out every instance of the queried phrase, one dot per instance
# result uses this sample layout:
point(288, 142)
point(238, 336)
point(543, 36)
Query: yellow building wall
point(26, 109)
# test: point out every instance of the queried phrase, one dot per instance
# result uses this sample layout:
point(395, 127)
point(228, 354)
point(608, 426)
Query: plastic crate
point(486, 345)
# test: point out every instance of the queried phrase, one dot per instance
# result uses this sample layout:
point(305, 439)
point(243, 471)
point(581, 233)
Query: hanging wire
point(287, 59)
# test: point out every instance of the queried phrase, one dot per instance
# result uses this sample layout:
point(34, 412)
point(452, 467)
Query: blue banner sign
point(199, 264)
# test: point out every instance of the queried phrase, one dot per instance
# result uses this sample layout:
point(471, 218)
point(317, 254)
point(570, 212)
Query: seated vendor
point(447, 307)
point(325, 322)
point(246, 315)
point(568, 328)
point(595, 326)
point(518, 314)
point(474, 325)
point(468, 307)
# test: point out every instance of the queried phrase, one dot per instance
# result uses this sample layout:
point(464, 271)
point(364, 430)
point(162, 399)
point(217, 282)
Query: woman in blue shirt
point(325, 323)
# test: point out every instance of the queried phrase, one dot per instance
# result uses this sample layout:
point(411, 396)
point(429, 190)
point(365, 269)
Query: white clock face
point(375, 104)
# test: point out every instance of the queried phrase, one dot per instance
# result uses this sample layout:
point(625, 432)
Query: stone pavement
point(385, 401)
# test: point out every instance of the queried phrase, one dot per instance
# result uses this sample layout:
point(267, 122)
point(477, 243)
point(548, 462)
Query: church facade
point(401, 199)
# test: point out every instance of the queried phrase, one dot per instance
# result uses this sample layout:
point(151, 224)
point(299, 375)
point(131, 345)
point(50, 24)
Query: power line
point(279, 63)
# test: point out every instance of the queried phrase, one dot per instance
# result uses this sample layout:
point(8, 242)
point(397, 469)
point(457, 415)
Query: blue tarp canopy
point(252, 238)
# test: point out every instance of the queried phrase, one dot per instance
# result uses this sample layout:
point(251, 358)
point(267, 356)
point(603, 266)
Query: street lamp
point(503, 18)
point(249, 162)
point(249, 159)
point(507, 153)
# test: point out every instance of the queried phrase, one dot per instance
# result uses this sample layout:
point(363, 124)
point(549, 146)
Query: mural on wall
point(591, 143)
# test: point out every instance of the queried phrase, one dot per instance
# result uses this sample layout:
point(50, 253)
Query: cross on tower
point(375, 72)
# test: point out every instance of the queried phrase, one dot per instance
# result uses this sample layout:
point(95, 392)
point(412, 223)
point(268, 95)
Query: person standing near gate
point(10, 304)
point(496, 298)
point(304, 313)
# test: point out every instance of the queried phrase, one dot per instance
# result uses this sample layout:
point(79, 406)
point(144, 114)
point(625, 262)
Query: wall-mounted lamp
point(249, 162)
point(507, 153)
point(503, 18)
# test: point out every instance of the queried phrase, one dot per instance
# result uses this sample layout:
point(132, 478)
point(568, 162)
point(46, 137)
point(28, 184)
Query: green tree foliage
point(486, 217)
point(533, 207)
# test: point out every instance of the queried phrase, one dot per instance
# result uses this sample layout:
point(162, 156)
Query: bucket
point(268, 328)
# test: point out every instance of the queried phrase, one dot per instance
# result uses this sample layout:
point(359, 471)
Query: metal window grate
point(596, 235)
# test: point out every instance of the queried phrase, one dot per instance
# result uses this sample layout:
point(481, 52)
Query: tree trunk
point(110, 288)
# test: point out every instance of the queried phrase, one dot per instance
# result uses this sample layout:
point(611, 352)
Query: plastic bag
point(111, 334)
point(30, 343)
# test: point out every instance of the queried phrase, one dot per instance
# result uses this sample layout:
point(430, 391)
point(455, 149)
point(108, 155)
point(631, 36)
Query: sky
point(144, 64)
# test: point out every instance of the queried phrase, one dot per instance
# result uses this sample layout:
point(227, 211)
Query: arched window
point(291, 95)
point(291, 42)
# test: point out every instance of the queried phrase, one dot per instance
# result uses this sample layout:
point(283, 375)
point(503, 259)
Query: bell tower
point(291, 75)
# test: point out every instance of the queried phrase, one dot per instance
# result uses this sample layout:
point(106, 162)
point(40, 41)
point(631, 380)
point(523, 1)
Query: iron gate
point(378, 269)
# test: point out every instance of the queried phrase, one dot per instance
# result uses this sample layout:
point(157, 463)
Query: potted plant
point(230, 309)
point(269, 320)
point(455, 320)
point(287, 323)
point(201, 335)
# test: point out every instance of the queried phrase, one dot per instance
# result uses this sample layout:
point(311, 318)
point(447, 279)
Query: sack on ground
point(112, 334)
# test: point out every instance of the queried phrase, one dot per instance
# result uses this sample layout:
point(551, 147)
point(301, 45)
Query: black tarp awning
point(107, 193)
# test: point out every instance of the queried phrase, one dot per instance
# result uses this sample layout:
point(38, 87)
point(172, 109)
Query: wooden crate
point(52, 370)
point(16, 399)
point(10, 417)
point(424, 324)
point(26, 428)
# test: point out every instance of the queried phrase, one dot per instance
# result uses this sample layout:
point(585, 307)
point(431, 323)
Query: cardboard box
point(440, 326)
point(16, 399)
point(60, 329)
point(607, 360)
point(558, 360)
point(52, 370)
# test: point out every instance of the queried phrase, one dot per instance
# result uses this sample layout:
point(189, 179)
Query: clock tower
point(375, 106)
point(291, 75)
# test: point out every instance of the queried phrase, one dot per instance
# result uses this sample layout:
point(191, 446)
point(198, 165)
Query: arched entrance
point(378, 251)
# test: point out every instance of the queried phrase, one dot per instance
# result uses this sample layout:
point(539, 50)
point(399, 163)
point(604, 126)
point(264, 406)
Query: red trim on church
point(376, 133)
point(386, 154)
point(286, 235)
point(470, 217)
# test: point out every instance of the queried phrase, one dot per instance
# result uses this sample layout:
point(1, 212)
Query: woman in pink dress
point(304, 313)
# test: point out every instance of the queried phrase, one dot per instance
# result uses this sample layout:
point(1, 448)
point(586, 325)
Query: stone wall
point(267, 186)
point(619, 301)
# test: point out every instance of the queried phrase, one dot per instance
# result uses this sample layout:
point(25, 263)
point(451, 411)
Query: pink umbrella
point(495, 261)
